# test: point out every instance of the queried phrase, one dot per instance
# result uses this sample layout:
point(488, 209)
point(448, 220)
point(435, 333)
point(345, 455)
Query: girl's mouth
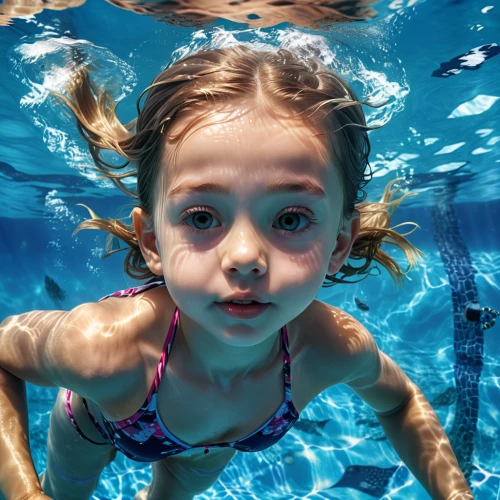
point(243, 311)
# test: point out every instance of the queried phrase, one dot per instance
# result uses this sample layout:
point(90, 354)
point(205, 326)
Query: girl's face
point(266, 222)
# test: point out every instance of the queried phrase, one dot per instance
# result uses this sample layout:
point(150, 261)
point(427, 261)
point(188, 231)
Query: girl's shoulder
point(332, 339)
point(123, 325)
point(322, 326)
point(138, 317)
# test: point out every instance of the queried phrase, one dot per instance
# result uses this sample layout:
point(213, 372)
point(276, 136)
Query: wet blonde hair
point(196, 88)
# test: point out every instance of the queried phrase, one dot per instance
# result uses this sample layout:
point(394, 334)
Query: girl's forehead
point(250, 142)
point(232, 172)
point(244, 156)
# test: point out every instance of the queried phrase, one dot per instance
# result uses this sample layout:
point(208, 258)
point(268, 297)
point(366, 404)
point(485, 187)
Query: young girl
point(258, 203)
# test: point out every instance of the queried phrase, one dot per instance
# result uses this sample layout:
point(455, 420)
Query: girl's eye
point(290, 220)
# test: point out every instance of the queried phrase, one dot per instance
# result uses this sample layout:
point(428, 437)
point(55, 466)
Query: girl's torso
point(192, 410)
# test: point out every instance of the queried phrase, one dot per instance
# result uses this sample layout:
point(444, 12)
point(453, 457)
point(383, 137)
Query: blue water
point(440, 134)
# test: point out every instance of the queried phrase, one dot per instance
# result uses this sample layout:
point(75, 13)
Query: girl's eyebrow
point(278, 187)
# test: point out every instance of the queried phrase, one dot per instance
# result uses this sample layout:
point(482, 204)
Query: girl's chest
point(200, 414)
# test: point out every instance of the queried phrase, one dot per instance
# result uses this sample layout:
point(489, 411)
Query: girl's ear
point(146, 239)
point(344, 243)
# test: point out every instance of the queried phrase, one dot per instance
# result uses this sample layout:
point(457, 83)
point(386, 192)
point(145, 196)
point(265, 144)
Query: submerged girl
point(249, 168)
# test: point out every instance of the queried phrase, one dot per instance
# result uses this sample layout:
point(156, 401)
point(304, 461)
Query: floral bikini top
point(143, 437)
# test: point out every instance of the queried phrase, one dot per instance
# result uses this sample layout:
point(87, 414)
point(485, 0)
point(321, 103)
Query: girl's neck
point(219, 363)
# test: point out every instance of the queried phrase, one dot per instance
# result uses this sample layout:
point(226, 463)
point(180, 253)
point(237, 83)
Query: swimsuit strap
point(131, 292)
point(158, 375)
point(164, 354)
point(286, 362)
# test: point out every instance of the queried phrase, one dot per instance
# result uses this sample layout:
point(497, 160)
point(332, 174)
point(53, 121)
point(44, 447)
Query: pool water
point(438, 65)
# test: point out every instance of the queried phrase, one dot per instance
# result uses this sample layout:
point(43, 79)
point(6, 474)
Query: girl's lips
point(243, 311)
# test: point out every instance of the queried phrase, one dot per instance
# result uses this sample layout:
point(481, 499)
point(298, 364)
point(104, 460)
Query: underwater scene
point(434, 65)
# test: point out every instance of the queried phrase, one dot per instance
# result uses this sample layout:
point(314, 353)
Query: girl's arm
point(404, 413)
point(46, 348)
point(16, 464)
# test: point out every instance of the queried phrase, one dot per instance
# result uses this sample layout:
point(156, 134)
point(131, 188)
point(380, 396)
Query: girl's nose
point(246, 259)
